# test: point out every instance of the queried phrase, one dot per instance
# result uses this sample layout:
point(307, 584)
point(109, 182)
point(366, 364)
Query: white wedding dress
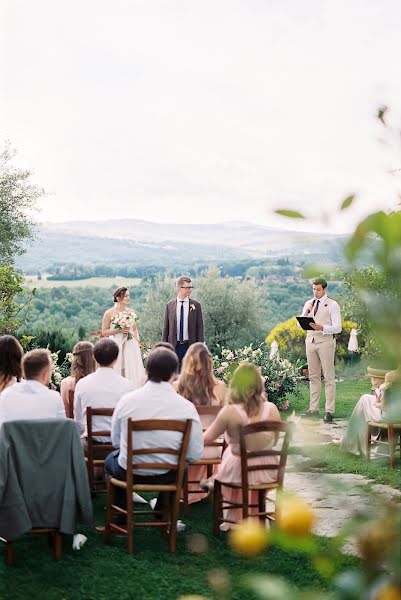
point(129, 363)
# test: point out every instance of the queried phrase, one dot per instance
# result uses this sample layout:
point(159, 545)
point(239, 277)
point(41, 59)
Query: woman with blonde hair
point(247, 404)
point(198, 384)
point(83, 363)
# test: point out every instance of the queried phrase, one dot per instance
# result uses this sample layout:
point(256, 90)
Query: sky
point(204, 111)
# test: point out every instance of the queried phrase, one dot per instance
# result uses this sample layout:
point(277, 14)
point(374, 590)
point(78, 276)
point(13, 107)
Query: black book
point(305, 322)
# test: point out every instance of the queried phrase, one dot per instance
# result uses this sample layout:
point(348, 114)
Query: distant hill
point(136, 242)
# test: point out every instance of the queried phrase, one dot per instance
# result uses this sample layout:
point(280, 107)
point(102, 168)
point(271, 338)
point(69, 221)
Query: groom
point(183, 321)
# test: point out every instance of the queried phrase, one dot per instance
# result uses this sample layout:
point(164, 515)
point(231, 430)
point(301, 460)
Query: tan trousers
point(321, 358)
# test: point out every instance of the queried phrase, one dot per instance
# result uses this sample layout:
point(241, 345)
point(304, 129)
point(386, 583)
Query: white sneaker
point(138, 499)
point(153, 503)
point(180, 527)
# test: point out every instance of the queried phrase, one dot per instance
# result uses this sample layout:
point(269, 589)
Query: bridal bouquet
point(124, 319)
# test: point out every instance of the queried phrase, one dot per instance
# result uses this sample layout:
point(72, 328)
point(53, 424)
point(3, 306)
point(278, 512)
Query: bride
point(129, 363)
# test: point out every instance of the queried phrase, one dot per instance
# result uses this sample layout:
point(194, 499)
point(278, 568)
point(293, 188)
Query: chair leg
point(57, 545)
point(91, 478)
point(217, 507)
point(391, 446)
point(368, 443)
point(173, 524)
point(110, 499)
point(185, 493)
point(130, 521)
point(262, 505)
point(9, 553)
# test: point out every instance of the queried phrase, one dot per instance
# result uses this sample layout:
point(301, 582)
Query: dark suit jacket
point(195, 323)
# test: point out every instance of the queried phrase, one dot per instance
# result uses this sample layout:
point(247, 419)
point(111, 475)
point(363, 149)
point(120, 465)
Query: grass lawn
point(100, 572)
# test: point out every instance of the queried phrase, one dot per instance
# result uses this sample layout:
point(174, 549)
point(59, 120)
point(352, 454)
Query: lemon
point(294, 516)
point(249, 538)
point(390, 592)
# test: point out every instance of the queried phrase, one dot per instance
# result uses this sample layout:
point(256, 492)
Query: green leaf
point(347, 202)
point(291, 214)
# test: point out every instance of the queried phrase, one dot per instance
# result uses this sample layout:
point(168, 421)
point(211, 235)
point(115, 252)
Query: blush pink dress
point(230, 468)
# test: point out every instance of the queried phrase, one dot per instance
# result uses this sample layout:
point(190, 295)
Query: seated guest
point(83, 363)
point(10, 361)
point(248, 404)
point(157, 399)
point(32, 399)
point(198, 384)
point(101, 389)
point(370, 407)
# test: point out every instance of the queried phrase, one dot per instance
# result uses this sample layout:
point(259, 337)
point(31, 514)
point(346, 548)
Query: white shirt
point(101, 389)
point(335, 315)
point(155, 401)
point(30, 400)
point(186, 313)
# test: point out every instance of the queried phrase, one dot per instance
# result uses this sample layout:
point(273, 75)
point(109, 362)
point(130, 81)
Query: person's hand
point(309, 306)
point(317, 326)
point(126, 330)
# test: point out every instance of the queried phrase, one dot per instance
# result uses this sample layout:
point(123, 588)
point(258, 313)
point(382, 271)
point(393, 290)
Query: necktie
point(316, 308)
point(181, 335)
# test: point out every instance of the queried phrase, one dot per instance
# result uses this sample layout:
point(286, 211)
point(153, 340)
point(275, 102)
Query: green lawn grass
point(348, 393)
point(100, 572)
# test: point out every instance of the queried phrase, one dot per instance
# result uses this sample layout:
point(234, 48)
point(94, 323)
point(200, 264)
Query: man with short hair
point(157, 399)
point(183, 321)
point(321, 346)
point(101, 389)
point(31, 398)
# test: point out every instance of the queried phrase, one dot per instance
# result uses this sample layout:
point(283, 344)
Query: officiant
point(320, 348)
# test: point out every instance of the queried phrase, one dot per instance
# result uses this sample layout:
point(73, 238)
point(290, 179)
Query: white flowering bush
point(59, 372)
point(281, 376)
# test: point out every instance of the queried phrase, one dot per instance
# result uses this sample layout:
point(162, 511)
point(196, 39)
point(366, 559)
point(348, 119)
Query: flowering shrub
point(281, 376)
point(59, 372)
point(291, 339)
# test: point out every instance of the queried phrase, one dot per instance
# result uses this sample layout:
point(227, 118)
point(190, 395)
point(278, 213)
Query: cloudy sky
point(206, 110)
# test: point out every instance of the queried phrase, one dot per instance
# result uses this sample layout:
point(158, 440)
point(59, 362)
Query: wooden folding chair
point(282, 433)
point(209, 463)
point(96, 452)
point(391, 428)
point(169, 514)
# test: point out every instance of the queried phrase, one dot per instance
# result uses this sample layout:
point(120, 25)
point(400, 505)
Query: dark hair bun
point(119, 293)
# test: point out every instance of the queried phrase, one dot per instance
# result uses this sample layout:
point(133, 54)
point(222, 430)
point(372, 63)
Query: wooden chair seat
point(144, 487)
point(392, 439)
point(282, 432)
point(169, 514)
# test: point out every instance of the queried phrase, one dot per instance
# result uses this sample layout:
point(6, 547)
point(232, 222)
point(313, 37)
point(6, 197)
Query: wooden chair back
point(282, 434)
point(183, 427)
point(70, 408)
point(95, 452)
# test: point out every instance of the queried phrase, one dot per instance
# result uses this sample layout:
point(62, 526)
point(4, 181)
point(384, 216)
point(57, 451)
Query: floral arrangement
point(281, 376)
point(124, 319)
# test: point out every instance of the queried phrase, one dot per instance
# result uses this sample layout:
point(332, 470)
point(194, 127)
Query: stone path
point(334, 497)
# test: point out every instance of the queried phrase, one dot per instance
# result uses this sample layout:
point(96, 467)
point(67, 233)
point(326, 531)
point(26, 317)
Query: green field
point(104, 282)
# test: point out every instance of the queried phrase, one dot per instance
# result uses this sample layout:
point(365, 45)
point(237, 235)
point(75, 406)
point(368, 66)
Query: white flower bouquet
point(124, 319)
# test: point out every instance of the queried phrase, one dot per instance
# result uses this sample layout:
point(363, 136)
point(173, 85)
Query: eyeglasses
point(188, 287)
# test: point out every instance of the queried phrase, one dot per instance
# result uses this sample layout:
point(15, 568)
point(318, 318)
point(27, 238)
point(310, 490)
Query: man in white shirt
point(32, 399)
point(101, 389)
point(157, 399)
point(320, 348)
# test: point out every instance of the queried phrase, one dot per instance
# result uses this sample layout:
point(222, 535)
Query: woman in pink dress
point(198, 384)
point(11, 353)
point(247, 404)
point(83, 363)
